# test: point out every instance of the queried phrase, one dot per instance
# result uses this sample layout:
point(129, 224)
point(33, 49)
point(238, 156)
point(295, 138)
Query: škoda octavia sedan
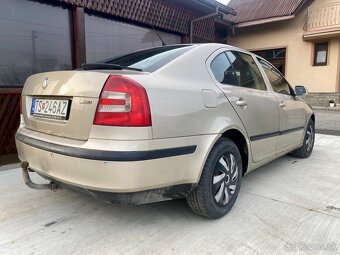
point(180, 121)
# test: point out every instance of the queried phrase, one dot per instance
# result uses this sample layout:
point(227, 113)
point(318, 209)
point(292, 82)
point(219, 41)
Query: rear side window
point(223, 71)
point(150, 60)
point(247, 72)
point(278, 82)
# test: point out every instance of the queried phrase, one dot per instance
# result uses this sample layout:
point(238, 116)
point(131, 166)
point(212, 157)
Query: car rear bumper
point(134, 198)
point(115, 166)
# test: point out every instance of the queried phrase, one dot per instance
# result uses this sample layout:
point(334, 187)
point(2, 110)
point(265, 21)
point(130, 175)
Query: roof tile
point(250, 10)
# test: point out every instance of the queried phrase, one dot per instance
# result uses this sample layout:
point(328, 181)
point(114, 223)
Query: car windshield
point(150, 60)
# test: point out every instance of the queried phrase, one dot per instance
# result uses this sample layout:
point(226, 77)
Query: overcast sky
point(224, 1)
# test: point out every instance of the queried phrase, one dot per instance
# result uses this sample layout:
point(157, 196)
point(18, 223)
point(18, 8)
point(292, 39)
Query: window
point(34, 38)
point(246, 70)
point(277, 57)
point(151, 59)
point(320, 54)
point(223, 71)
point(278, 82)
point(107, 38)
point(271, 54)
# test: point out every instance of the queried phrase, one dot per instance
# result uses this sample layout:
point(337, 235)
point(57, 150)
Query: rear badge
point(45, 83)
point(84, 101)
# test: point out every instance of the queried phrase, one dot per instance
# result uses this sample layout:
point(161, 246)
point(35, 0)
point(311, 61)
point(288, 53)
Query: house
point(300, 37)
point(47, 35)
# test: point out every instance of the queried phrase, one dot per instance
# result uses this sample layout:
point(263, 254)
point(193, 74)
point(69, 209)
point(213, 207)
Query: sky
point(224, 1)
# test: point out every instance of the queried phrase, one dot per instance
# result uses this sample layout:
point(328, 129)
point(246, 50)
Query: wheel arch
point(313, 117)
point(241, 142)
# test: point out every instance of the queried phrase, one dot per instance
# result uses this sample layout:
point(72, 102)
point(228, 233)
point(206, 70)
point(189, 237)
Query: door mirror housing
point(300, 90)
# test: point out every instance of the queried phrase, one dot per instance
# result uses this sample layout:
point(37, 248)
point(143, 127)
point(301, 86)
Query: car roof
point(212, 46)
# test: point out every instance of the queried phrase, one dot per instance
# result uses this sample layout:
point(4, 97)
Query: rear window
point(150, 60)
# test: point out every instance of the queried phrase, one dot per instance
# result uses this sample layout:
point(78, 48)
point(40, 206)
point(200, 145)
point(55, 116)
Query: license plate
point(57, 109)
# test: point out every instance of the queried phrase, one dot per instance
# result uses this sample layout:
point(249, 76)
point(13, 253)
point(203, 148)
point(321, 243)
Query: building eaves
point(253, 11)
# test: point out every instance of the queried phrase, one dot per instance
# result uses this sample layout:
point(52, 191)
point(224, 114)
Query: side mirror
point(300, 90)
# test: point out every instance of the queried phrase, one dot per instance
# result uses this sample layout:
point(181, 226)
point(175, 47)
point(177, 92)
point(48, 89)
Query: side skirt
point(254, 166)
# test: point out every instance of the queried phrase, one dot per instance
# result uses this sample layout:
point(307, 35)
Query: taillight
point(123, 102)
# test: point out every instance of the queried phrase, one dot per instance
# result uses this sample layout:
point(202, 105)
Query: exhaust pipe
point(32, 185)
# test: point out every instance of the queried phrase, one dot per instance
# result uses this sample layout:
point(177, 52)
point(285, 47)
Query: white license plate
point(50, 108)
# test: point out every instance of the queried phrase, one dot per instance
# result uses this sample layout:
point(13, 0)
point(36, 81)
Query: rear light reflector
point(123, 102)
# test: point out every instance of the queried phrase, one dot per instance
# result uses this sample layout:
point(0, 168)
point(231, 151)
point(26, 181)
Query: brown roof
point(250, 10)
point(169, 15)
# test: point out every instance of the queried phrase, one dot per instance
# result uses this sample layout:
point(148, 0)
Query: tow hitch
point(32, 185)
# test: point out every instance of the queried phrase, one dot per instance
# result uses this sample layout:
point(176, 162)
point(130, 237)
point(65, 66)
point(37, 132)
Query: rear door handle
point(282, 105)
point(241, 102)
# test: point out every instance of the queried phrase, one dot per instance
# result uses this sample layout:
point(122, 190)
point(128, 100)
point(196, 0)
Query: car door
point(240, 79)
point(292, 111)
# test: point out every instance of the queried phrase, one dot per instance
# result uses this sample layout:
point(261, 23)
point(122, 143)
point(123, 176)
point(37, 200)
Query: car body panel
point(292, 121)
point(70, 85)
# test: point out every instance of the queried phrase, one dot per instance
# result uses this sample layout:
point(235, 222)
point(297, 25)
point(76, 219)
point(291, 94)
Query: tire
point(308, 142)
point(220, 181)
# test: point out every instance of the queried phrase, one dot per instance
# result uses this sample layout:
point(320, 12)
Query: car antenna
point(159, 36)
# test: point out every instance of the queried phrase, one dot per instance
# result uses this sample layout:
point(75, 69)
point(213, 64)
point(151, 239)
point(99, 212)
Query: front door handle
point(241, 102)
point(282, 105)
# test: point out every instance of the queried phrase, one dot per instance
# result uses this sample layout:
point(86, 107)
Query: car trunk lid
point(81, 89)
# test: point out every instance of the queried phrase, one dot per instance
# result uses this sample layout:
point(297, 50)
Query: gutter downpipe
point(192, 23)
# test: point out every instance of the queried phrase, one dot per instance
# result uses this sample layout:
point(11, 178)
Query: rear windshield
point(150, 60)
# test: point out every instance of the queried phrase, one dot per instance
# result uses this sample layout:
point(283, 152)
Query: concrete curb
point(327, 132)
point(333, 109)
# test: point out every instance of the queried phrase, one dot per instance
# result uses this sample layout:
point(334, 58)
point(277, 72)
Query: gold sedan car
point(171, 122)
